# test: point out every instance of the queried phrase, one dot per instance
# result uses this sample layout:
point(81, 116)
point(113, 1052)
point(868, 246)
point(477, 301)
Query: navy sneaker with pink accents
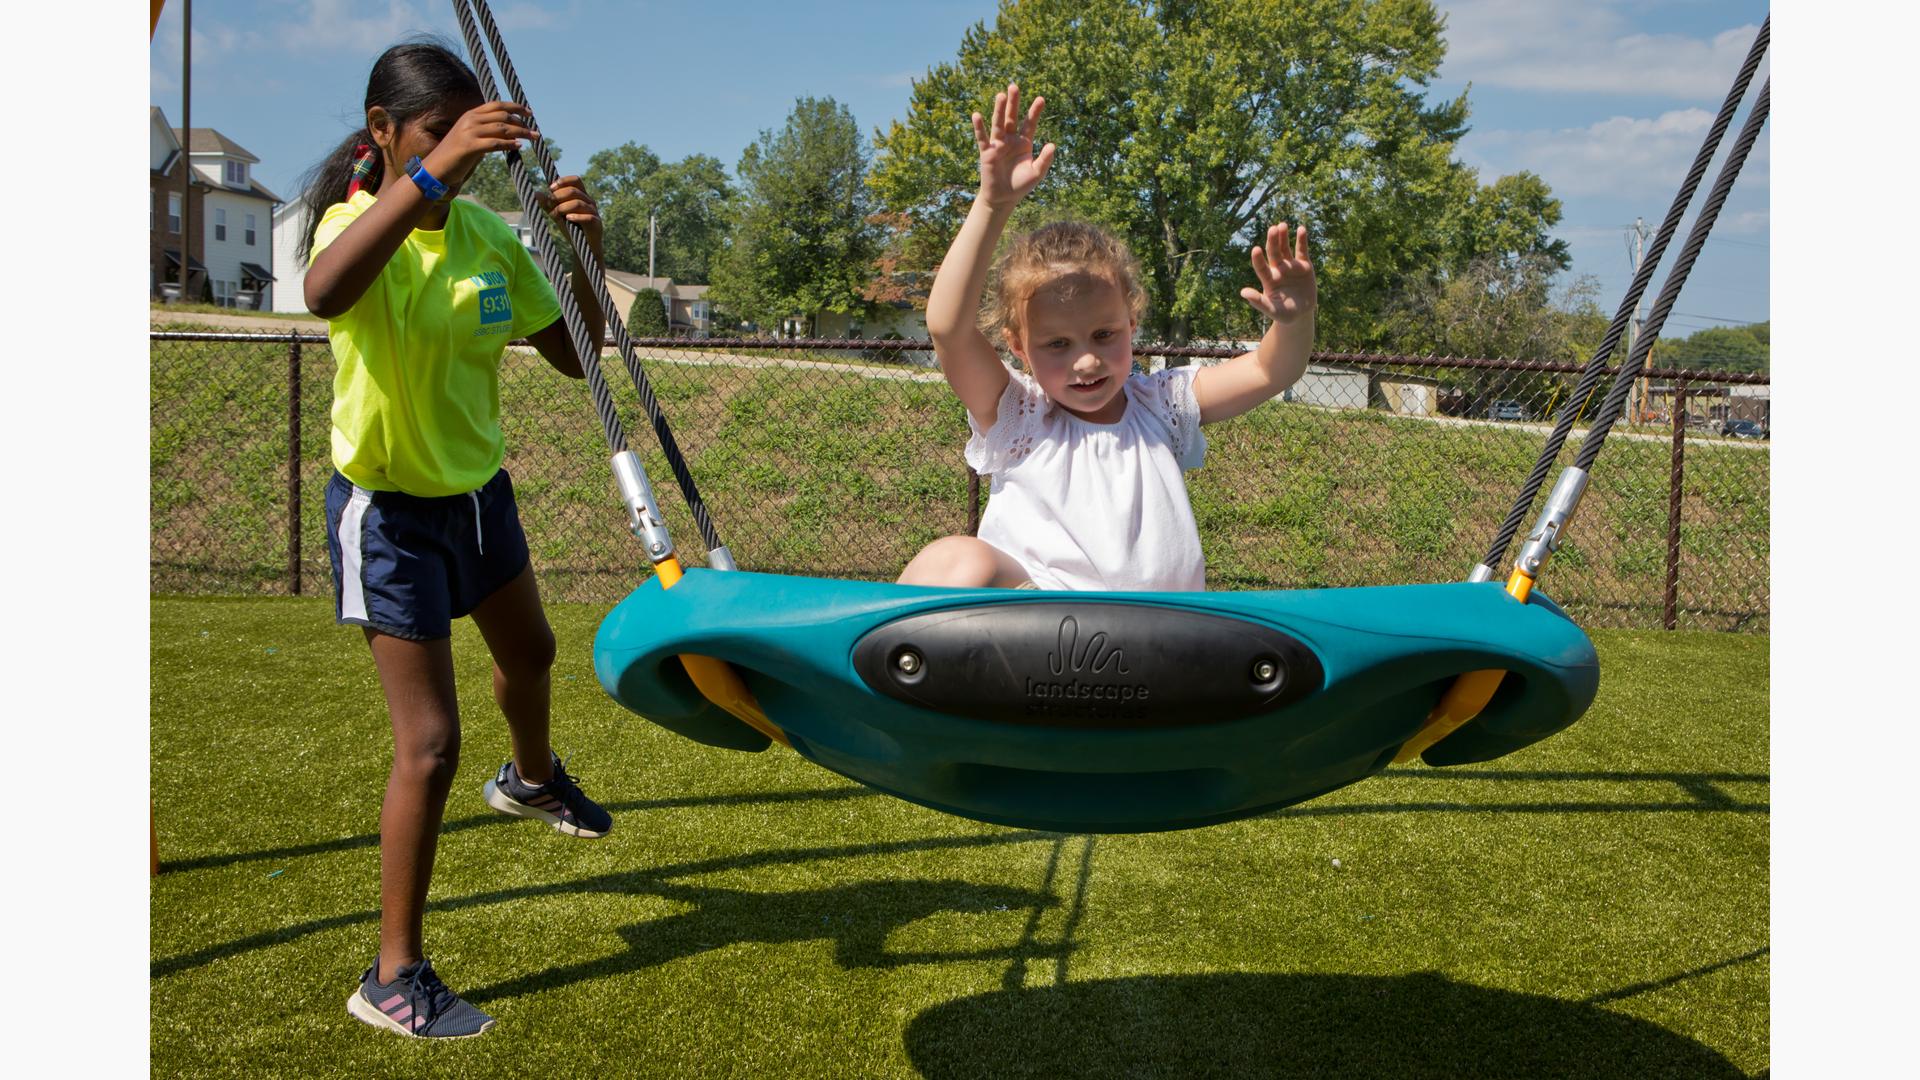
point(558, 802)
point(415, 1004)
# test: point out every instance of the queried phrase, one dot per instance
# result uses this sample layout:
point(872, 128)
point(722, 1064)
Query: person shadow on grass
point(857, 918)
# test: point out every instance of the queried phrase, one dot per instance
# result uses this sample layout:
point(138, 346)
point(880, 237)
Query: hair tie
point(363, 159)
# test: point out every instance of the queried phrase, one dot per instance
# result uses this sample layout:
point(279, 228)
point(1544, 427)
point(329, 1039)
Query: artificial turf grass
point(1594, 905)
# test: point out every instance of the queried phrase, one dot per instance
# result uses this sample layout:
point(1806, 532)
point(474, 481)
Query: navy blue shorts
point(408, 565)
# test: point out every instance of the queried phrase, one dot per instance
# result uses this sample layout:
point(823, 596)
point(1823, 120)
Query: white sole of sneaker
point(366, 1012)
point(508, 805)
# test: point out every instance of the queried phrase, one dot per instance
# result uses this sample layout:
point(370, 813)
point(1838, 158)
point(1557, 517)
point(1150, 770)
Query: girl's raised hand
point(1287, 286)
point(567, 200)
point(482, 130)
point(1008, 167)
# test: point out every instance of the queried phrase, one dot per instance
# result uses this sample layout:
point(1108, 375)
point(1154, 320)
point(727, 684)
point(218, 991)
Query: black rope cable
point(583, 344)
point(1616, 402)
point(1596, 369)
point(588, 262)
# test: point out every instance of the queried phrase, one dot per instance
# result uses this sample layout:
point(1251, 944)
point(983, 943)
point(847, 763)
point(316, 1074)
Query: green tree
point(800, 240)
point(1719, 348)
point(1496, 307)
point(492, 183)
point(1191, 125)
point(687, 201)
point(647, 315)
point(1505, 307)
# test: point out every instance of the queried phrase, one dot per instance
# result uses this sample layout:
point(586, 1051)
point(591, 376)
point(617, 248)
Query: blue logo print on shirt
point(495, 307)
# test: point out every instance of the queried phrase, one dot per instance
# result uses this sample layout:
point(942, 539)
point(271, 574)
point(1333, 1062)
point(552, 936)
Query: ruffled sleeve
point(1168, 395)
point(1023, 407)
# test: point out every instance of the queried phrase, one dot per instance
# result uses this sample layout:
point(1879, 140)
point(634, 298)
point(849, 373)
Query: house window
point(250, 225)
point(219, 223)
point(236, 173)
point(173, 211)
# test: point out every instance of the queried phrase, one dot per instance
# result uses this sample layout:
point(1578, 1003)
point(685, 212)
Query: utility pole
point(1637, 251)
point(650, 235)
point(186, 149)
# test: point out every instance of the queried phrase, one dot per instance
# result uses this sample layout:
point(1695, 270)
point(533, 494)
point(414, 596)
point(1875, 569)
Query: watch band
point(432, 188)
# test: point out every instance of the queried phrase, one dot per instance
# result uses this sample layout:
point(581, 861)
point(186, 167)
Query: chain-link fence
point(843, 458)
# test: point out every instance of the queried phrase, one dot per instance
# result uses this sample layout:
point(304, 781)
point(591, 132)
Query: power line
point(1717, 318)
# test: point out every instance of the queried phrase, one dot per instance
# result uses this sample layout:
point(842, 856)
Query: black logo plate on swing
point(1086, 664)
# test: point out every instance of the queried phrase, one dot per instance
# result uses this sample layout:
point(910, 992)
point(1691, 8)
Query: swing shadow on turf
point(857, 917)
point(1228, 1024)
point(1288, 1025)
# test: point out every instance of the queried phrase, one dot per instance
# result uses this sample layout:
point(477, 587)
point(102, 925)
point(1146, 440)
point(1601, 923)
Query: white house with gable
point(233, 219)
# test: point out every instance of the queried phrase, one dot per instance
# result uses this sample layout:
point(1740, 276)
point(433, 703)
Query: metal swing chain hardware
point(1544, 540)
point(643, 512)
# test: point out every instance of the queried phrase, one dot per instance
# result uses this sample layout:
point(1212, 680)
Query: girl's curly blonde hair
point(1032, 260)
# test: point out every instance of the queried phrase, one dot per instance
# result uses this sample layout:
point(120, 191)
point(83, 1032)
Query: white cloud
point(211, 44)
point(358, 26)
point(1585, 46)
point(336, 24)
point(1622, 155)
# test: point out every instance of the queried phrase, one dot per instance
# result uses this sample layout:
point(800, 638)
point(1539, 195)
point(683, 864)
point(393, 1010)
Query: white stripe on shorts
point(353, 596)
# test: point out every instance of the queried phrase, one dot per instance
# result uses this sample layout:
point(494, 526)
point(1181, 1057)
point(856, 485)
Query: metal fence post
point(1676, 481)
point(973, 502)
point(293, 463)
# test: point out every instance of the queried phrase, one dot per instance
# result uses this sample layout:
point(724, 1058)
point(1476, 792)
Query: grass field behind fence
point(1592, 906)
point(847, 469)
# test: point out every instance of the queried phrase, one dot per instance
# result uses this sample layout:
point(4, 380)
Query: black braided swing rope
point(589, 264)
point(552, 262)
point(1596, 369)
point(1616, 401)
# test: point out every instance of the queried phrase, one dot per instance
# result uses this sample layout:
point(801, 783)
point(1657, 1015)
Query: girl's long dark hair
point(408, 80)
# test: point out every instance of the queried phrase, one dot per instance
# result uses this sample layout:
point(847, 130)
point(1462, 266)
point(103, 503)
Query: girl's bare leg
point(963, 562)
point(417, 677)
point(516, 631)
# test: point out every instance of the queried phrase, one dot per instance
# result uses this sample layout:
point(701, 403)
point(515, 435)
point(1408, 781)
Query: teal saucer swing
point(1096, 712)
point(1107, 712)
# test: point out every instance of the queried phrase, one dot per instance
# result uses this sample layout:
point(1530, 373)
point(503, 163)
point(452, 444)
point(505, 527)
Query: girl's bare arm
point(1288, 296)
point(1009, 170)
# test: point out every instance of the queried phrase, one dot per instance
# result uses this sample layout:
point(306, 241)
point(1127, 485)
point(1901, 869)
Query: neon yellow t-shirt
point(416, 394)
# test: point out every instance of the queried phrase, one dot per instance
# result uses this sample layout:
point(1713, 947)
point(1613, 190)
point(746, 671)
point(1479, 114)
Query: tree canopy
point(1500, 307)
point(1720, 348)
point(800, 240)
point(647, 315)
point(492, 184)
point(1189, 126)
point(687, 200)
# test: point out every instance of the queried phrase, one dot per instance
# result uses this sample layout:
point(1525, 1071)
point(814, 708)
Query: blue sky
point(1607, 99)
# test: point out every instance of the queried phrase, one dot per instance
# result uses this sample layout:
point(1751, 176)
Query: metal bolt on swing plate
point(908, 663)
point(1264, 671)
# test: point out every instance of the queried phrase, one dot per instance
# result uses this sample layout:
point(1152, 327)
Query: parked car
point(1743, 429)
point(1508, 410)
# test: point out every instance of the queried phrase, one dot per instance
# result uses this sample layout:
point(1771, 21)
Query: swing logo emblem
point(496, 310)
point(1094, 657)
point(1073, 663)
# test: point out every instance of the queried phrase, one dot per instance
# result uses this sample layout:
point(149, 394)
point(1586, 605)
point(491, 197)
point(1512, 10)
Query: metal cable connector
point(643, 513)
point(1544, 540)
